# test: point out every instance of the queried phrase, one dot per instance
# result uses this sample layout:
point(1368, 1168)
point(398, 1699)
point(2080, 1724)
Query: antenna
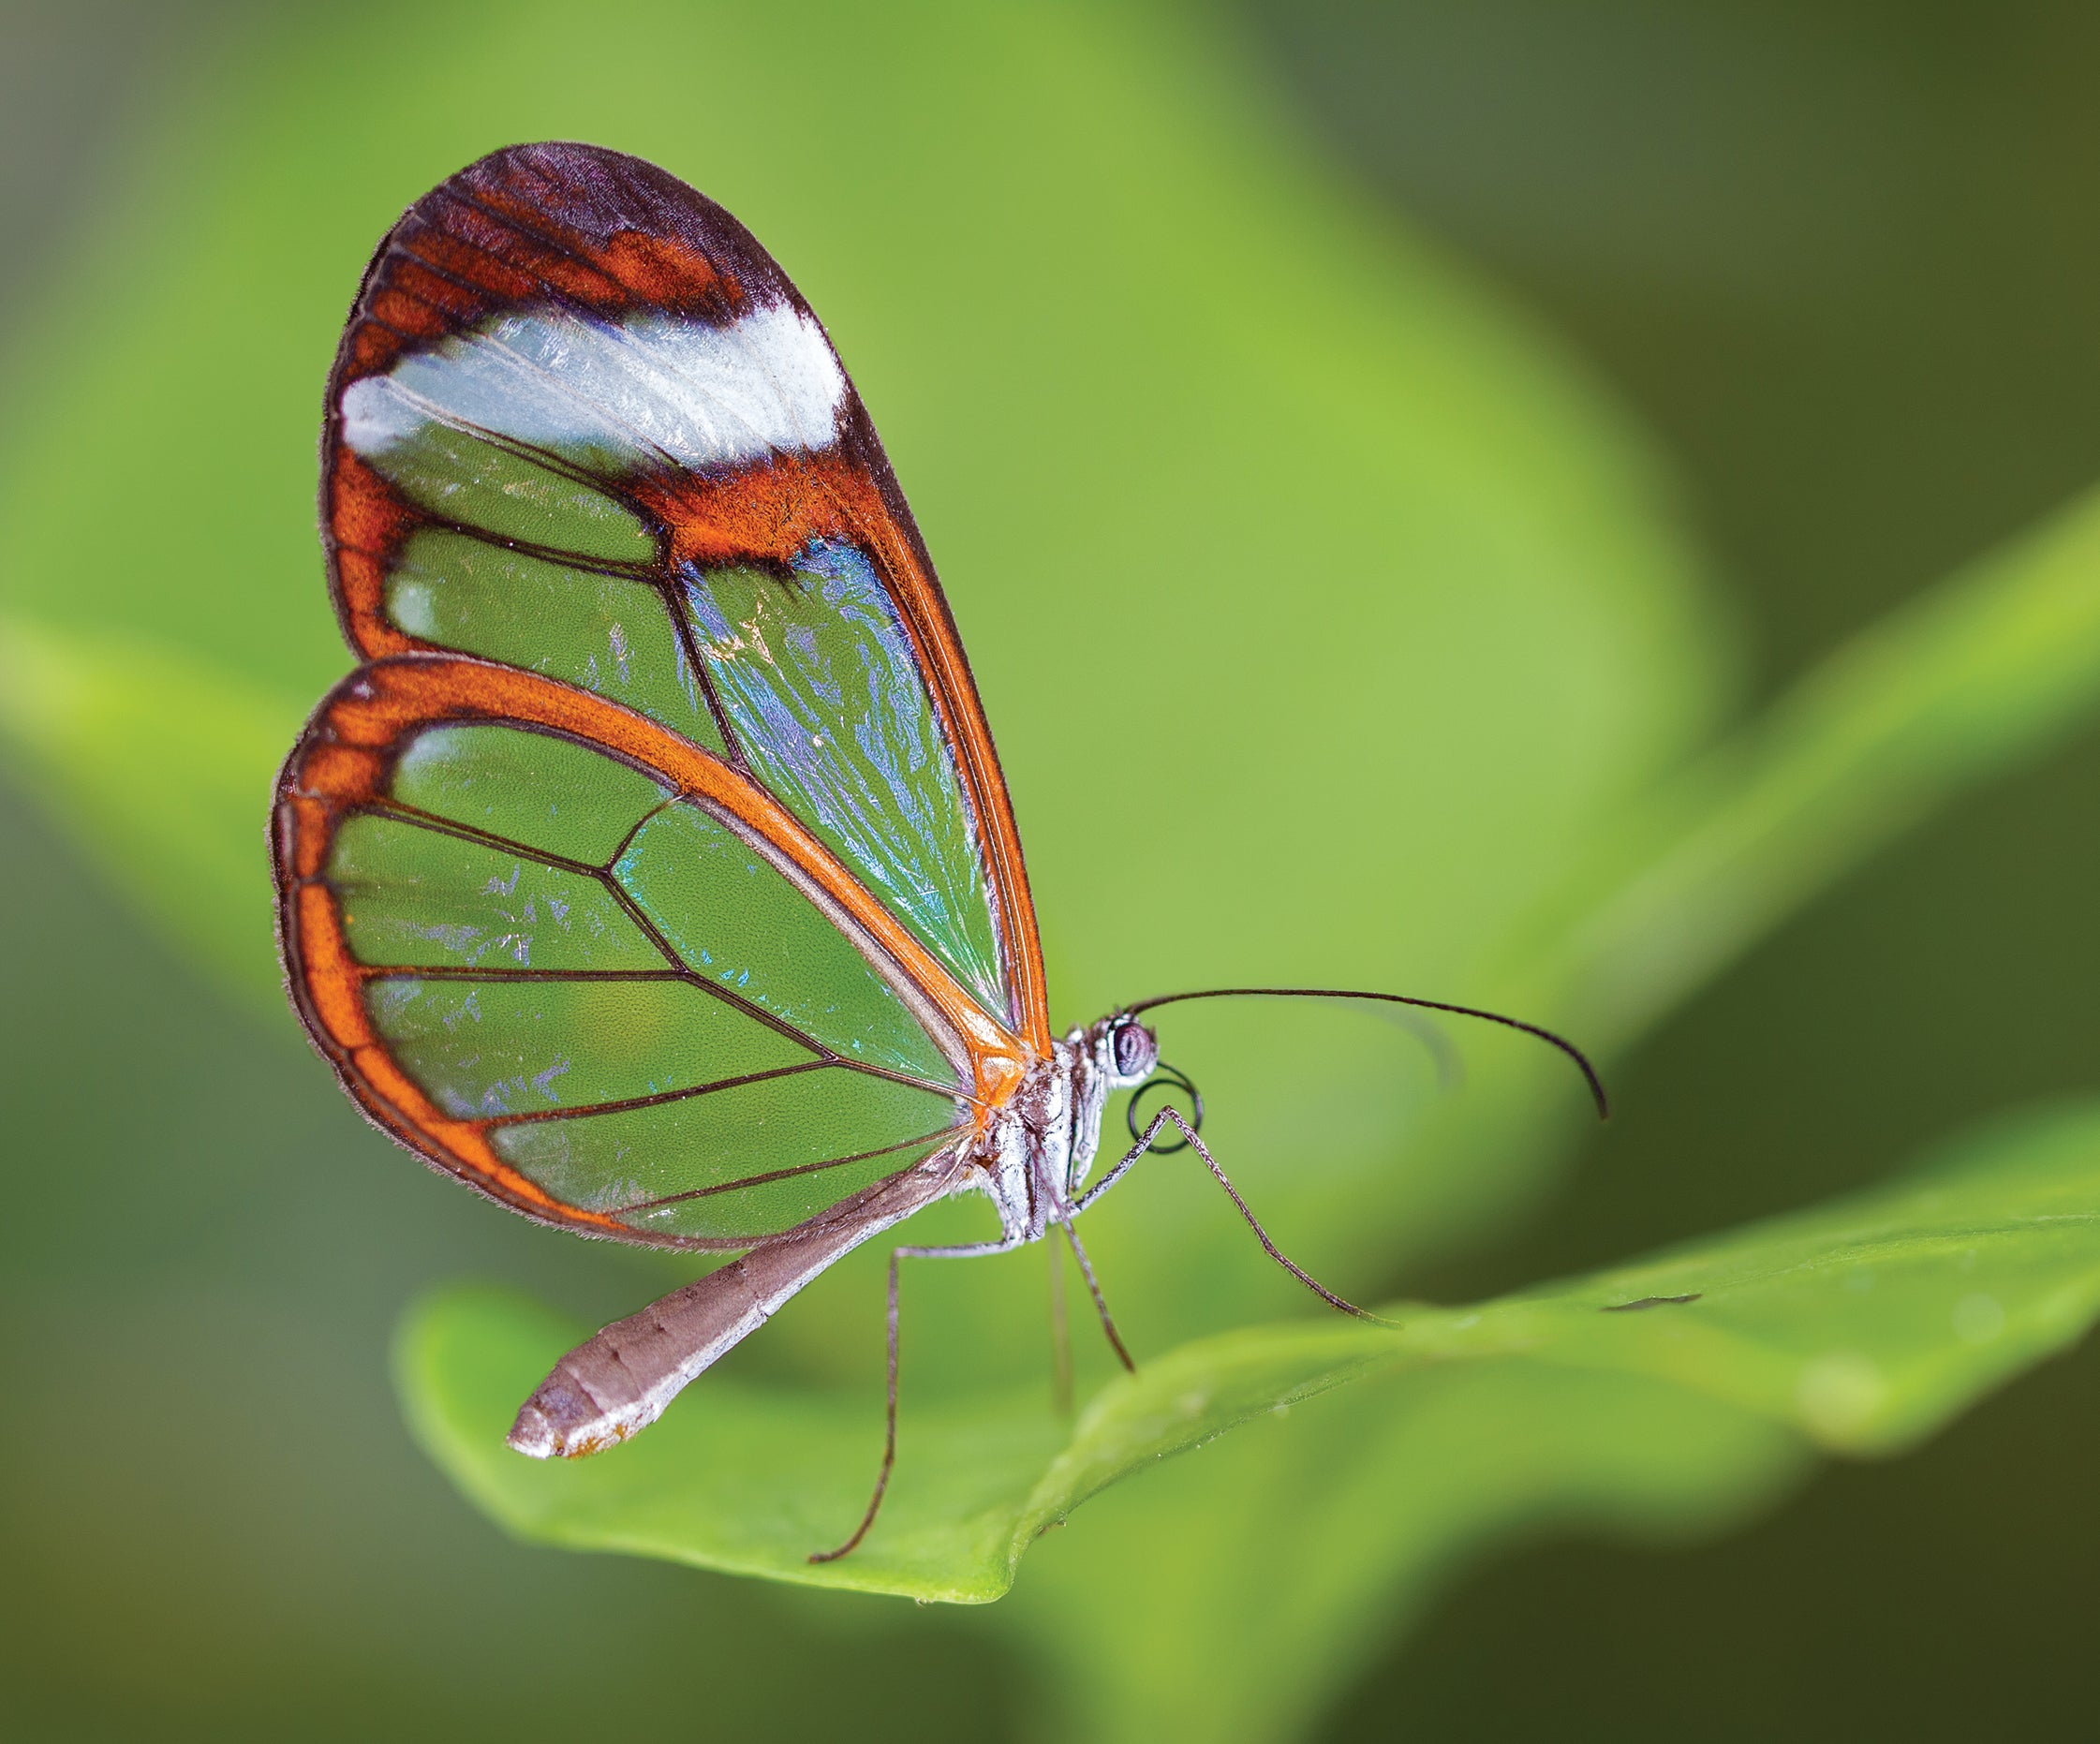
point(1581, 1059)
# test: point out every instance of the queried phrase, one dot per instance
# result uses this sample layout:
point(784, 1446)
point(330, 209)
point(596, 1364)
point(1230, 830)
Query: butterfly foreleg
point(1122, 1168)
point(963, 1251)
point(1060, 1335)
point(1255, 1224)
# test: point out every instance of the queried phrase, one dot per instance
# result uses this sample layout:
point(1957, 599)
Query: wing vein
point(778, 1175)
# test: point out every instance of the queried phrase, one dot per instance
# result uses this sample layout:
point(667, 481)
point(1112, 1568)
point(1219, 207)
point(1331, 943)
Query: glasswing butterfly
point(655, 874)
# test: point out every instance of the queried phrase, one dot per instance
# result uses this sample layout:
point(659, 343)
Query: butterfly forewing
point(583, 425)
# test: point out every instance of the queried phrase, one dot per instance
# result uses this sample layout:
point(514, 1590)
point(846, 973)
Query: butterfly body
point(1036, 1151)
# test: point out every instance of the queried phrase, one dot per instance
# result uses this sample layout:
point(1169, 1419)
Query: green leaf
point(1858, 1329)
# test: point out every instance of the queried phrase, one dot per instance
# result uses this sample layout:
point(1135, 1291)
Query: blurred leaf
point(1988, 670)
point(1991, 668)
point(1859, 1326)
point(156, 758)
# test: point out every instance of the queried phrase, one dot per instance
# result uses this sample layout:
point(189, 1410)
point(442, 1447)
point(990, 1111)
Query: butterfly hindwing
point(592, 969)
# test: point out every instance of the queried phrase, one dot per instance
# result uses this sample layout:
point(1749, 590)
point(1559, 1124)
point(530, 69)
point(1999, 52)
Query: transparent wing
point(580, 423)
point(592, 969)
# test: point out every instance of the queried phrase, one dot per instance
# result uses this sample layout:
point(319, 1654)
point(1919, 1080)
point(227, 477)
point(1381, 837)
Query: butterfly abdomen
point(622, 1380)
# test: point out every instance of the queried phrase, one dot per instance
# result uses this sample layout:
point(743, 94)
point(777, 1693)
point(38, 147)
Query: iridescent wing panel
point(583, 425)
point(594, 970)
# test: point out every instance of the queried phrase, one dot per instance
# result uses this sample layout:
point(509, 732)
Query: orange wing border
point(342, 765)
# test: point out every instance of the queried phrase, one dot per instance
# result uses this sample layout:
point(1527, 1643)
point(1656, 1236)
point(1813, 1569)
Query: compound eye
point(1135, 1050)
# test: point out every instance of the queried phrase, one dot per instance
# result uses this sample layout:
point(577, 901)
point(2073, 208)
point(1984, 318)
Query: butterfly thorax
point(1044, 1138)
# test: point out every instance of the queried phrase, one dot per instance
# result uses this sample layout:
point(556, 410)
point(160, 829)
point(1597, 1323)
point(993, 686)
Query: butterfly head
point(1126, 1053)
point(1116, 1053)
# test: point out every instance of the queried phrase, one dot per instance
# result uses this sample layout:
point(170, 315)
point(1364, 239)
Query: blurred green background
point(1842, 260)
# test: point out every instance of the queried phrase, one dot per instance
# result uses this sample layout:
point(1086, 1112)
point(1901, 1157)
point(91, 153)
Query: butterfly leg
point(965, 1250)
point(1123, 1167)
point(1255, 1224)
point(1062, 1213)
point(1060, 1335)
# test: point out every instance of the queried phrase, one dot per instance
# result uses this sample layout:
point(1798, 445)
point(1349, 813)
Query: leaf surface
point(1855, 1328)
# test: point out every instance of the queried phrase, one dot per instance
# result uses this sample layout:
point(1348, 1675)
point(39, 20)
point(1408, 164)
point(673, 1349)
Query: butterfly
point(655, 874)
